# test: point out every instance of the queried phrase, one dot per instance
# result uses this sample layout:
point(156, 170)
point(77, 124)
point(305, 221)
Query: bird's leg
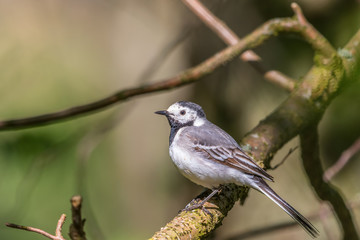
point(201, 204)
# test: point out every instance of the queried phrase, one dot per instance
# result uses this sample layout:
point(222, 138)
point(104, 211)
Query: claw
point(197, 206)
point(191, 206)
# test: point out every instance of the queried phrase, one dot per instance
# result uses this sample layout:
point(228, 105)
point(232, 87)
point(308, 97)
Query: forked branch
point(230, 38)
point(57, 236)
point(76, 227)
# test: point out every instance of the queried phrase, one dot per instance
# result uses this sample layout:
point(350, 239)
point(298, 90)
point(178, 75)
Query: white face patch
point(182, 114)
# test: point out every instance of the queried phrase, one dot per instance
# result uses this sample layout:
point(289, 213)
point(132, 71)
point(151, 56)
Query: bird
point(210, 157)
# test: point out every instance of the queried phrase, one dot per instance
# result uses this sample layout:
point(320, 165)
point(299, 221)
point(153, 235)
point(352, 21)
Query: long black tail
point(265, 189)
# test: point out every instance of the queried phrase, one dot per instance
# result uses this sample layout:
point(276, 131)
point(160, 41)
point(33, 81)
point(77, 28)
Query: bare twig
point(59, 227)
point(215, 24)
point(280, 79)
point(31, 229)
point(57, 236)
point(230, 38)
point(291, 150)
point(309, 99)
point(312, 36)
point(342, 161)
point(77, 226)
point(326, 192)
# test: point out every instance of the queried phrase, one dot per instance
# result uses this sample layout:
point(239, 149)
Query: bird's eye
point(182, 112)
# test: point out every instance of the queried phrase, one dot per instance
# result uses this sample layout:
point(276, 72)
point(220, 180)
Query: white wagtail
point(208, 156)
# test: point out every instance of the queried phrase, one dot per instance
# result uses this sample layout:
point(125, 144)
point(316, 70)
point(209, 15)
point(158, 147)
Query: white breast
point(199, 169)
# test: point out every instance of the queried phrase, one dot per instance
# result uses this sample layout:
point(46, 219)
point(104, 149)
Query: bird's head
point(184, 114)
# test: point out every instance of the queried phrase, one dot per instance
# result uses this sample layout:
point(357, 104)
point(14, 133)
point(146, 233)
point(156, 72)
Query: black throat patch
point(175, 127)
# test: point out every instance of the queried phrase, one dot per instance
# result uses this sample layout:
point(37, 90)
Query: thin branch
point(291, 150)
point(59, 227)
point(257, 37)
point(280, 79)
point(214, 23)
point(230, 38)
point(353, 46)
point(326, 192)
point(312, 36)
point(342, 161)
point(311, 96)
point(31, 229)
point(57, 236)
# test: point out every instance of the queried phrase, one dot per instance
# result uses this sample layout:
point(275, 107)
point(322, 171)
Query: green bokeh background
point(59, 54)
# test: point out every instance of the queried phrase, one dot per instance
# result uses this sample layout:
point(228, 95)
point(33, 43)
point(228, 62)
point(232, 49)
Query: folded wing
point(235, 158)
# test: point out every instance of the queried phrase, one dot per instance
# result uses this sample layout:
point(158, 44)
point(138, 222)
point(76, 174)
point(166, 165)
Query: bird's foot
point(192, 206)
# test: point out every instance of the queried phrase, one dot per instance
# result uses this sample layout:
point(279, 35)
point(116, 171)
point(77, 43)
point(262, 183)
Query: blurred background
point(58, 54)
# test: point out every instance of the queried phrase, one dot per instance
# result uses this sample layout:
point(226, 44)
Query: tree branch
point(215, 24)
point(77, 226)
point(312, 36)
point(197, 224)
point(57, 236)
point(230, 38)
point(342, 161)
point(257, 37)
point(350, 55)
point(312, 164)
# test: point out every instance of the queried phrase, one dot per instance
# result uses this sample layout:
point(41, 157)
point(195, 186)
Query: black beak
point(163, 112)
